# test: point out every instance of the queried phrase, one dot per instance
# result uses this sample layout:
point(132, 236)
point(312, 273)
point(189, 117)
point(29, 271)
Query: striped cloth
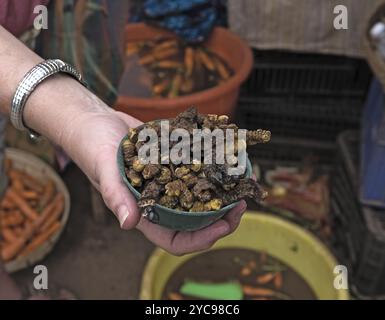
point(301, 25)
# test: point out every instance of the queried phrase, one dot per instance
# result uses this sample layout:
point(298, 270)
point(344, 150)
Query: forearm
point(54, 104)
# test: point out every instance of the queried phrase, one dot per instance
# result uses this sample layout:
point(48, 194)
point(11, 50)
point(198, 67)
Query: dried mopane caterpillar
point(164, 176)
point(175, 188)
point(194, 187)
point(150, 171)
point(134, 178)
point(213, 204)
point(186, 199)
point(169, 201)
point(246, 188)
point(129, 151)
point(190, 180)
point(150, 194)
point(181, 171)
point(137, 164)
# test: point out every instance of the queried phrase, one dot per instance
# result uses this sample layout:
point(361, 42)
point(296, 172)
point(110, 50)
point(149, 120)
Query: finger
point(179, 243)
point(234, 216)
point(187, 242)
point(115, 194)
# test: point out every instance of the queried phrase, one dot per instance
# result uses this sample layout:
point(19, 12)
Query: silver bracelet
point(30, 81)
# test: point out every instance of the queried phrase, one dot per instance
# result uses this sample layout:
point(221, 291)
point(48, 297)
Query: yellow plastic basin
point(283, 240)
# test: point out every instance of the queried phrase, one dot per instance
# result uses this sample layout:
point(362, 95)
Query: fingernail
point(122, 215)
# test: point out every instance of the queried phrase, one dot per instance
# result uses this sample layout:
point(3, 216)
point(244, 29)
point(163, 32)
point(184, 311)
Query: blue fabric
point(157, 8)
point(191, 28)
point(192, 20)
point(373, 148)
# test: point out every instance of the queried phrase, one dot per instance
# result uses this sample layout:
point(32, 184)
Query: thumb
point(116, 195)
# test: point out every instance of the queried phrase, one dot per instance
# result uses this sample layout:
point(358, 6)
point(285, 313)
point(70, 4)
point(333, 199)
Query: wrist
point(57, 104)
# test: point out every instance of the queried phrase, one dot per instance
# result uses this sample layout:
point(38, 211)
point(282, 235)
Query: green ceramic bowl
point(175, 219)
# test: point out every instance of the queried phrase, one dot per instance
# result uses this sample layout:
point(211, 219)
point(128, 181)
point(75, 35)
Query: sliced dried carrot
point(222, 69)
point(149, 58)
point(22, 204)
point(29, 195)
point(264, 292)
point(165, 45)
point(257, 291)
point(54, 216)
point(8, 235)
point(189, 60)
point(161, 87)
point(18, 231)
point(175, 296)
point(245, 271)
point(6, 203)
point(278, 280)
point(28, 181)
point(265, 278)
point(12, 219)
point(206, 60)
point(40, 239)
point(17, 185)
point(163, 54)
point(168, 64)
point(48, 193)
point(10, 251)
point(131, 48)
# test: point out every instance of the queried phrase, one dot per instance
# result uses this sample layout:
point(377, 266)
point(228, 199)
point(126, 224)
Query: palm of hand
point(93, 146)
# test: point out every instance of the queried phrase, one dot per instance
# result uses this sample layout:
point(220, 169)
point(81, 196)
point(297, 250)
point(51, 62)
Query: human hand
point(182, 242)
point(72, 117)
point(92, 142)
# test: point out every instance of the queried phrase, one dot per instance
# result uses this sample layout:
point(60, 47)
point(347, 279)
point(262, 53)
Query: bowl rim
point(233, 82)
point(120, 163)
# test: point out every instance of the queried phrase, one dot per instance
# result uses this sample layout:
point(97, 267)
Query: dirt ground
point(92, 260)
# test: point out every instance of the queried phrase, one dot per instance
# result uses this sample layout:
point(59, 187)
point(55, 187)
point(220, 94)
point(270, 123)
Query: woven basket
point(374, 59)
point(40, 170)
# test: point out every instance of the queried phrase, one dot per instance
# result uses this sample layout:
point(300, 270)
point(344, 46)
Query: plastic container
point(289, 74)
point(39, 169)
point(360, 230)
point(218, 100)
point(306, 118)
point(302, 95)
point(372, 175)
point(174, 219)
point(312, 261)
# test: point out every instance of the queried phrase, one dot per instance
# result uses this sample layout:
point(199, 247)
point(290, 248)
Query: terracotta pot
point(218, 100)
